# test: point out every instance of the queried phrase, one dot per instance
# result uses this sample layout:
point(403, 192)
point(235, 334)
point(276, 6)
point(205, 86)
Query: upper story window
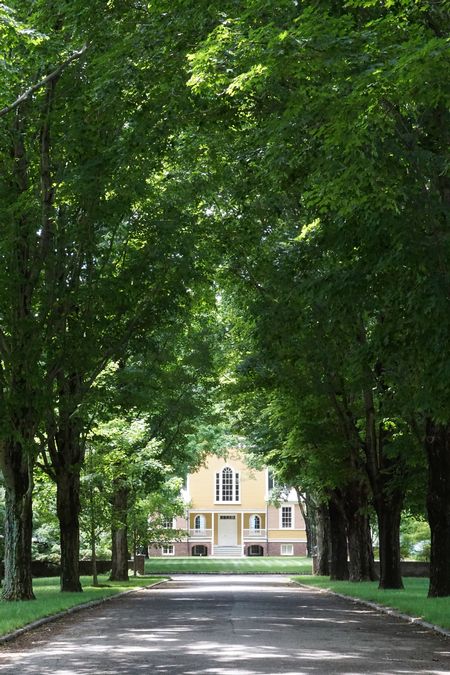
point(286, 517)
point(270, 480)
point(227, 485)
point(168, 523)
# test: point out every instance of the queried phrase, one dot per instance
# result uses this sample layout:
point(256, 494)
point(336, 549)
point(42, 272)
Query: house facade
point(229, 514)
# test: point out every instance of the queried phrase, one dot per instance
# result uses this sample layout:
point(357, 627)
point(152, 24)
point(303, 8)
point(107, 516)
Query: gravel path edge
point(382, 608)
point(71, 610)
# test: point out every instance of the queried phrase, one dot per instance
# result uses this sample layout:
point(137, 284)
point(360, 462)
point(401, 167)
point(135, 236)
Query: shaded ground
point(229, 626)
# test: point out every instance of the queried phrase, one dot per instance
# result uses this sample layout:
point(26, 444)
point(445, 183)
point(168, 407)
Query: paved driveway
point(228, 625)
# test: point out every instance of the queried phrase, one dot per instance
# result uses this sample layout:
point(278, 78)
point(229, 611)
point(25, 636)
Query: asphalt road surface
point(228, 625)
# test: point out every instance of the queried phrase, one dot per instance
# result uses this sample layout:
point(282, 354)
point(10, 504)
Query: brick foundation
point(274, 548)
point(263, 545)
point(181, 549)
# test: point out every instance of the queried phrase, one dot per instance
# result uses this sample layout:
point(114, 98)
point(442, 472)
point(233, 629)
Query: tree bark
point(68, 510)
point(17, 472)
point(94, 555)
point(437, 444)
point(387, 477)
point(308, 508)
point(323, 540)
point(19, 376)
point(67, 455)
point(361, 563)
point(389, 510)
point(339, 565)
point(92, 515)
point(135, 539)
point(119, 570)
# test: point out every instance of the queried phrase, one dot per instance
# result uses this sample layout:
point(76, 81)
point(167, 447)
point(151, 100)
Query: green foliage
point(45, 542)
point(414, 538)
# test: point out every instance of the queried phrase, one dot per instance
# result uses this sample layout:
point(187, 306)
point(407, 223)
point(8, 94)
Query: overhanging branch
point(26, 94)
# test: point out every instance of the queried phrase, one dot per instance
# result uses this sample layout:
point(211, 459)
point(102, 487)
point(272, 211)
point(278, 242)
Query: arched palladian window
point(255, 522)
point(227, 485)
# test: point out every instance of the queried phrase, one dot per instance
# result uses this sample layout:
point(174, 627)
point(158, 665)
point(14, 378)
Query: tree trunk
point(17, 472)
point(94, 556)
point(67, 455)
point(68, 509)
point(307, 508)
point(437, 444)
point(361, 563)
point(387, 473)
point(339, 565)
point(92, 524)
point(323, 540)
point(119, 571)
point(19, 374)
point(388, 513)
point(134, 553)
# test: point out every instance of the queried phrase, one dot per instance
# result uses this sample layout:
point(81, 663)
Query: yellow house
point(229, 514)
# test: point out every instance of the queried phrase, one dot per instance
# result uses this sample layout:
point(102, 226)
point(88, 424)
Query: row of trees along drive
point(332, 180)
point(97, 248)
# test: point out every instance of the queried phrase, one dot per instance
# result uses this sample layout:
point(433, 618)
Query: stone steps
point(227, 551)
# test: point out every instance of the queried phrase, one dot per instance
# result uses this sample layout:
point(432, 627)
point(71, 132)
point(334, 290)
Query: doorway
point(227, 531)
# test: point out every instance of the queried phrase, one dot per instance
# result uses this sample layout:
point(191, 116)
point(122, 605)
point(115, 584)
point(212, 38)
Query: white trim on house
point(288, 549)
point(267, 490)
point(292, 525)
point(294, 540)
point(255, 535)
point(186, 492)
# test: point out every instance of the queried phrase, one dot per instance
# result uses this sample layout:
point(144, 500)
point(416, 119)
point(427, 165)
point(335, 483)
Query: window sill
point(225, 503)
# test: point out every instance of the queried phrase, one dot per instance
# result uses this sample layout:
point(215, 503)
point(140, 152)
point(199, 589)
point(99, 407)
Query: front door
point(227, 530)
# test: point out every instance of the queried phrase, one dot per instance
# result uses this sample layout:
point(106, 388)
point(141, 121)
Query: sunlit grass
point(412, 600)
point(263, 565)
point(49, 599)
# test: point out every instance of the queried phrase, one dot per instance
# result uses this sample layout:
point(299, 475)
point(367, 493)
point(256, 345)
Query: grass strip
point(263, 565)
point(412, 600)
point(50, 600)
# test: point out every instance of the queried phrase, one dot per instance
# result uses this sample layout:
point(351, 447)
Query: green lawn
point(412, 600)
point(228, 566)
point(49, 599)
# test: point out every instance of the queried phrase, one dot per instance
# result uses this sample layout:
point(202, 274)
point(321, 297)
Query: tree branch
point(48, 78)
